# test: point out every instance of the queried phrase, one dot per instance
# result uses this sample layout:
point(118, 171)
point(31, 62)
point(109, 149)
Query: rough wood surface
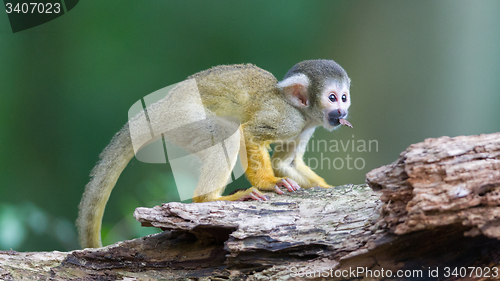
point(315, 222)
point(308, 229)
point(440, 182)
point(437, 191)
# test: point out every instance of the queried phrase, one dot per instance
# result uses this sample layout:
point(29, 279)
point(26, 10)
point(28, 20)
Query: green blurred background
point(419, 69)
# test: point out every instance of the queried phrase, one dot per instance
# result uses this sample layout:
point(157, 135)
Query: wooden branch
point(441, 182)
point(316, 221)
point(225, 239)
point(426, 201)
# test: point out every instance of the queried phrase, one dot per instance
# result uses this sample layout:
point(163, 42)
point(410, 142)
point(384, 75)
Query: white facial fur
point(295, 90)
point(338, 90)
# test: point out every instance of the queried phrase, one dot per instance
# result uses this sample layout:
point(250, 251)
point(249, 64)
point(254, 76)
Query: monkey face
point(335, 101)
point(320, 90)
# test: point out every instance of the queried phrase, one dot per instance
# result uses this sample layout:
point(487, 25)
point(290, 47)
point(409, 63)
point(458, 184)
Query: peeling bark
point(311, 223)
point(441, 182)
point(425, 202)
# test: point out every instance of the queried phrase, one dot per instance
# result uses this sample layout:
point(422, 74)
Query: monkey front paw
point(289, 184)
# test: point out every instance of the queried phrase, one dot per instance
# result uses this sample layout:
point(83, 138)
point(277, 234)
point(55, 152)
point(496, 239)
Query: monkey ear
point(295, 90)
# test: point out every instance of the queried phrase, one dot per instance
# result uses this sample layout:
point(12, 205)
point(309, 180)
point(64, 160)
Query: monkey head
point(320, 89)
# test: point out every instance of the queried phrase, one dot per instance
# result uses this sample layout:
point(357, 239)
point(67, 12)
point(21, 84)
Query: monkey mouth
point(339, 121)
point(334, 121)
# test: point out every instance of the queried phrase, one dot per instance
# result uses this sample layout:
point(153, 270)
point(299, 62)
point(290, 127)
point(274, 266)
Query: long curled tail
point(176, 116)
point(113, 161)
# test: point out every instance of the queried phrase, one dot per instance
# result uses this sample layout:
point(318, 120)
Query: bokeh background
point(419, 69)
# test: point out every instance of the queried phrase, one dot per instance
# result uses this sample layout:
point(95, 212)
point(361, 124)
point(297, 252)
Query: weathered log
point(315, 222)
point(305, 229)
point(441, 182)
point(435, 193)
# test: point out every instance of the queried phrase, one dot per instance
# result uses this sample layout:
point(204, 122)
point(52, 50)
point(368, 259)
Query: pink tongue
point(345, 123)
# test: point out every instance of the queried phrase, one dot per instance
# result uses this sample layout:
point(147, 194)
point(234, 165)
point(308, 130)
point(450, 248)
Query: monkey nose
point(337, 114)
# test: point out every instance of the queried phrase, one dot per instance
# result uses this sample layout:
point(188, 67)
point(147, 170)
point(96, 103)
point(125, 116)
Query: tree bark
point(434, 216)
point(441, 182)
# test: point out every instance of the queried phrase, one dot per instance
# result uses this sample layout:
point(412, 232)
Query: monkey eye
point(344, 98)
point(332, 98)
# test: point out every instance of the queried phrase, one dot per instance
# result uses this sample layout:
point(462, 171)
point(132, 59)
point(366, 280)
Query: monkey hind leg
point(247, 194)
point(218, 155)
point(217, 164)
point(215, 172)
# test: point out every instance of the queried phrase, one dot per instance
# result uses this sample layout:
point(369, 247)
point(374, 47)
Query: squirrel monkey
point(312, 93)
